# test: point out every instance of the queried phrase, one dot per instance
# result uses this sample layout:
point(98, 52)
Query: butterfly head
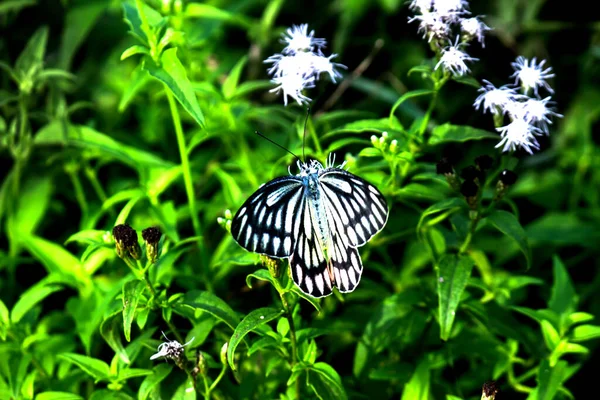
point(309, 168)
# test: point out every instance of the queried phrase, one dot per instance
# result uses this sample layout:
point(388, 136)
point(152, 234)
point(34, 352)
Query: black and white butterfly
point(317, 218)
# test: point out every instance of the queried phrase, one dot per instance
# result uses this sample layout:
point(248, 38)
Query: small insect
point(317, 218)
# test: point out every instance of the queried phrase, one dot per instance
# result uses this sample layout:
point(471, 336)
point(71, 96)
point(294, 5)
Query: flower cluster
point(170, 349)
point(529, 113)
point(442, 20)
point(300, 64)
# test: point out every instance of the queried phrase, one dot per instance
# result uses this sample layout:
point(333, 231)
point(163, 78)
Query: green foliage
point(120, 116)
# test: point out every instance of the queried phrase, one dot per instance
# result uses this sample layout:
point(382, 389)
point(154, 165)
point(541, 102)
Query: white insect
point(317, 218)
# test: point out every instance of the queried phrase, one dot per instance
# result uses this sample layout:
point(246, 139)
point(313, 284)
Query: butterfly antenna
point(276, 144)
point(304, 135)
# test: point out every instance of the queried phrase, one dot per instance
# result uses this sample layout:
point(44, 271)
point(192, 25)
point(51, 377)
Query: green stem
point(185, 164)
point(293, 341)
point(218, 379)
point(79, 193)
point(472, 226)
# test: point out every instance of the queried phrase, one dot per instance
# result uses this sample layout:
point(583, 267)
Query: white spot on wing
point(359, 231)
point(299, 273)
point(261, 216)
point(355, 262)
point(287, 245)
point(278, 219)
point(345, 283)
point(309, 284)
point(265, 241)
point(276, 244)
point(320, 283)
point(352, 276)
point(248, 234)
point(352, 235)
point(242, 212)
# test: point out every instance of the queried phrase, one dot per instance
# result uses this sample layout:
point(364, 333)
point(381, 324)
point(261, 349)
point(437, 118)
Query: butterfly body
point(317, 218)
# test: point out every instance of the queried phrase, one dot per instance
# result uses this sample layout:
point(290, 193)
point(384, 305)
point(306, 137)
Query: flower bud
point(126, 241)
point(228, 214)
point(394, 146)
point(223, 353)
point(508, 177)
point(151, 237)
point(443, 167)
point(375, 141)
point(469, 189)
point(489, 391)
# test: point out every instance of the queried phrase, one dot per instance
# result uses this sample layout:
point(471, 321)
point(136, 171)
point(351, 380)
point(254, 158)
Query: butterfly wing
point(356, 208)
point(265, 222)
point(308, 265)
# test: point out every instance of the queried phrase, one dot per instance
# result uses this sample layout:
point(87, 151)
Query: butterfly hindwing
point(308, 265)
point(358, 207)
point(265, 223)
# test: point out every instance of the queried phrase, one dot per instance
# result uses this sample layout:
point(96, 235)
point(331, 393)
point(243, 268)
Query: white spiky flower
point(170, 349)
point(519, 133)
point(454, 60)
point(298, 39)
point(422, 6)
point(474, 28)
point(495, 100)
point(538, 112)
point(532, 75)
point(431, 25)
point(450, 7)
point(292, 86)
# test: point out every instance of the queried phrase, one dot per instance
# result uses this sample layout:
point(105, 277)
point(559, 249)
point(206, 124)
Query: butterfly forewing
point(358, 207)
point(265, 222)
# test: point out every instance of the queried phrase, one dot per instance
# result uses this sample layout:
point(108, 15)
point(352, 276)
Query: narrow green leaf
point(109, 329)
point(150, 383)
point(451, 205)
point(564, 298)
point(453, 273)
point(90, 139)
point(231, 83)
point(417, 387)
point(458, 133)
point(133, 50)
point(132, 18)
point(250, 322)
point(326, 382)
point(15, 5)
point(212, 304)
point(79, 20)
point(508, 224)
point(172, 73)
point(407, 96)
point(98, 369)
point(582, 333)
point(261, 275)
point(31, 297)
point(578, 317)
point(207, 11)
point(551, 336)
point(4, 320)
point(57, 396)
point(88, 236)
point(32, 204)
point(32, 56)
point(57, 261)
point(137, 82)
point(132, 291)
point(549, 380)
point(313, 301)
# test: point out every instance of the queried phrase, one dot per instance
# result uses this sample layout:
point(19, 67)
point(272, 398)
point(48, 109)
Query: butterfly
point(317, 219)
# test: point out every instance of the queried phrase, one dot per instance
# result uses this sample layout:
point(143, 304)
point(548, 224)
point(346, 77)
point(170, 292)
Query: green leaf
point(32, 204)
point(508, 224)
point(150, 383)
point(326, 382)
point(250, 322)
point(132, 291)
point(129, 373)
point(312, 300)
point(98, 369)
point(88, 236)
point(207, 11)
point(133, 50)
point(458, 133)
point(578, 318)
point(551, 336)
point(564, 298)
point(450, 205)
point(109, 329)
point(261, 275)
point(212, 304)
point(407, 96)
point(231, 83)
point(57, 261)
point(549, 380)
point(57, 396)
point(453, 273)
point(31, 297)
point(15, 5)
point(90, 139)
point(79, 20)
point(4, 320)
point(582, 333)
point(417, 387)
point(32, 56)
point(172, 73)
point(132, 18)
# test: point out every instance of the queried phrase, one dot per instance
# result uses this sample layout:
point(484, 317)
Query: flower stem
point(185, 164)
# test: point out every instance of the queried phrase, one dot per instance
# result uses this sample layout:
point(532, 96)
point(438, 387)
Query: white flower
point(320, 63)
point(423, 6)
point(537, 112)
point(495, 100)
point(298, 39)
point(532, 76)
point(453, 60)
point(450, 7)
point(519, 133)
point(474, 28)
point(292, 85)
point(432, 26)
point(170, 349)
point(297, 64)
